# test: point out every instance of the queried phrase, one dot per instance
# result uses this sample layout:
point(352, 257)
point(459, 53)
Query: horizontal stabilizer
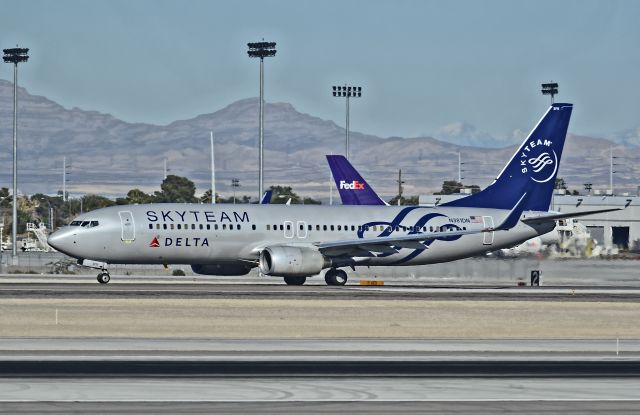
point(557, 216)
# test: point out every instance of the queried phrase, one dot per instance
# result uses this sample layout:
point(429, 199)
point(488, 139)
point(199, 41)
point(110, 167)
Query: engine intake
point(291, 261)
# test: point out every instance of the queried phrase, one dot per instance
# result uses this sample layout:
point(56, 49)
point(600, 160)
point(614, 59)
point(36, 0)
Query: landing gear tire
point(295, 280)
point(335, 277)
point(104, 278)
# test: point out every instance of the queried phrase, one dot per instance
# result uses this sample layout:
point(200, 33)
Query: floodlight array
point(347, 91)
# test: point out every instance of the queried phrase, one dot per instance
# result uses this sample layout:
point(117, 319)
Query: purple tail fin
point(354, 190)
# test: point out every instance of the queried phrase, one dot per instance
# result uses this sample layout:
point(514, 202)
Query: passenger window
point(288, 227)
point(164, 226)
point(339, 227)
point(172, 226)
point(231, 227)
point(200, 226)
point(268, 227)
point(317, 227)
point(224, 226)
point(301, 227)
point(310, 227)
point(157, 226)
point(179, 226)
point(281, 227)
point(193, 226)
point(209, 227)
point(150, 226)
point(353, 228)
point(215, 227)
point(253, 227)
point(324, 227)
point(332, 227)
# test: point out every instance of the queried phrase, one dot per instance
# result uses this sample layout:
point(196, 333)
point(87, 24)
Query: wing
point(388, 244)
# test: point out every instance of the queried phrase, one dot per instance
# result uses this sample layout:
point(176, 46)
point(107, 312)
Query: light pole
point(550, 89)
point(15, 56)
point(64, 178)
point(213, 174)
point(347, 92)
point(261, 50)
point(235, 183)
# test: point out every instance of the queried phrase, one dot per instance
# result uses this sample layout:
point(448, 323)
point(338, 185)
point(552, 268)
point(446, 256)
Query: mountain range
point(109, 156)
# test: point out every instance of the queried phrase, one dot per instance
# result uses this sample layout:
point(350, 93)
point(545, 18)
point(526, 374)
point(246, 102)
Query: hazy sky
point(422, 64)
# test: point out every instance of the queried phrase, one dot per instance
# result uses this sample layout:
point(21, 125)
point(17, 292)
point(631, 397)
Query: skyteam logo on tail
point(539, 160)
point(354, 185)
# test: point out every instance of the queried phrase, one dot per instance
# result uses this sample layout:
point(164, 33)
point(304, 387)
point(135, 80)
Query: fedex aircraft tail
point(532, 170)
point(354, 190)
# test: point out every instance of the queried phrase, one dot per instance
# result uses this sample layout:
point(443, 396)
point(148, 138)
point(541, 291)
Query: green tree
point(5, 200)
point(138, 197)
point(412, 200)
point(93, 202)
point(176, 189)
point(452, 186)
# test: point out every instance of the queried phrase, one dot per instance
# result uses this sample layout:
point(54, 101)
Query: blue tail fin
point(266, 197)
point(354, 190)
point(532, 170)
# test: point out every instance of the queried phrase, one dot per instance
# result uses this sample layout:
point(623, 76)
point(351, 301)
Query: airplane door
point(128, 227)
point(487, 237)
point(301, 229)
point(288, 229)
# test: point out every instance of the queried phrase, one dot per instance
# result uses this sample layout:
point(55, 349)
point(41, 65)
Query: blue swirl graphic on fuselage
point(396, 223)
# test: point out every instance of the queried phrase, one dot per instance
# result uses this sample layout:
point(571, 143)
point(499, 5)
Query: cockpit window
point(94, 223)
point(85, 223)
point(75, 223)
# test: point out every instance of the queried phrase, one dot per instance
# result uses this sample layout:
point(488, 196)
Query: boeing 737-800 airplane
point(296, 242)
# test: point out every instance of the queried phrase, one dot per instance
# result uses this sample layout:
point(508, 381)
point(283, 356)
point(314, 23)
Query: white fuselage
point(206, 234)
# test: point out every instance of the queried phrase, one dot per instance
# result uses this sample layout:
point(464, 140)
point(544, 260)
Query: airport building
point(620, 229)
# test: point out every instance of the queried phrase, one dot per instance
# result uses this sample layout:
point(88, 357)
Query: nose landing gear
point(103, 277)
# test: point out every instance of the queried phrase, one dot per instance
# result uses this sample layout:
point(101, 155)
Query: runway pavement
point(70, 288)
point(226, 346)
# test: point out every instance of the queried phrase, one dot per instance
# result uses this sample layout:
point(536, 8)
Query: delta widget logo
point(539, 160)
point(154, 243)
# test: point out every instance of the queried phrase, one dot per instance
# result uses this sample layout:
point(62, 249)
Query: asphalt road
point(318, 368)
point(122, 290)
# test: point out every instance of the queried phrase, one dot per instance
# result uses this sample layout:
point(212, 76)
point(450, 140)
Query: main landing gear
point(335, 276)
point(104, 277)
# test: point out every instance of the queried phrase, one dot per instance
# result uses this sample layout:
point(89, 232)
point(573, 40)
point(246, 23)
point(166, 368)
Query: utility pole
point(460, 163)
point(15, 56)
point(64, 178)
point(330, 188)
point(213, 174)
point(400, 188)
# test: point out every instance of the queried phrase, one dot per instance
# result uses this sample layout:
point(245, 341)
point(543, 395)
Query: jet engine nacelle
point(230, 268)
point(291, 261)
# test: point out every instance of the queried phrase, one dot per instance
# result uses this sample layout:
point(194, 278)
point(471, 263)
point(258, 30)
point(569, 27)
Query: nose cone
point(63, 240)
